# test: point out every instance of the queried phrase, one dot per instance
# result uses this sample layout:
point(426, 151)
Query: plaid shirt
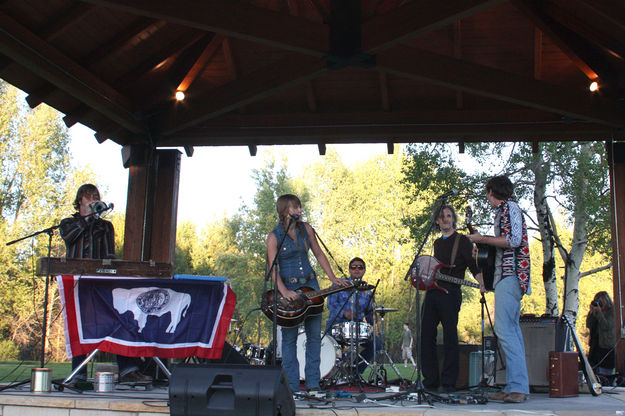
point(336, 300)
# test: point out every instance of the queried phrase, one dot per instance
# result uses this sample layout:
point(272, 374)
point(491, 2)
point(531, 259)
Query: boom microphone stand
point(417, 386)
point(292, 220)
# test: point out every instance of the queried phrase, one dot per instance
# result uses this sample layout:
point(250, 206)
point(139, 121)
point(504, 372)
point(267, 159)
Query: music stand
point(413, 271)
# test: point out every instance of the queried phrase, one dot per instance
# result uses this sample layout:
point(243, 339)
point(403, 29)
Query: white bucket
point(40, 380)
point(104, 382)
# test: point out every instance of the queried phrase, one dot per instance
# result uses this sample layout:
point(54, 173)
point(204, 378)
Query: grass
point(11, 371)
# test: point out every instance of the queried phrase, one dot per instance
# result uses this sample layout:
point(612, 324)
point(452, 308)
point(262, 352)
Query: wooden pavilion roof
point(321, 71)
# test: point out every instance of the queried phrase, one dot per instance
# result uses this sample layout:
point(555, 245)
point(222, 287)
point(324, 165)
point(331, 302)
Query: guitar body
point(593, 385)
point(293, 313)
point(428, 273)
point(425, 276)
point(486, 262)
point(485, 255)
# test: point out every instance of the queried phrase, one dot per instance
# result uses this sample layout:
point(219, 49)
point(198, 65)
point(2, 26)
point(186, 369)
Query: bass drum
point(331, 355)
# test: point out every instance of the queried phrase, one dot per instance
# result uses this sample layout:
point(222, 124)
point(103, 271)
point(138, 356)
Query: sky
point(213, 182)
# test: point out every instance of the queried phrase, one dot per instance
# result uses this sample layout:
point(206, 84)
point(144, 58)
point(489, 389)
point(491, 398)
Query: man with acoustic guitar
point(511, 282)
point(442, 303)
point(294, 271)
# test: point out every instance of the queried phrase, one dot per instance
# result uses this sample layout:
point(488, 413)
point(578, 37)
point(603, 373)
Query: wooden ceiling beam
point(416, 18)
point(593, 26)
point(485, 81)
point(201, 62)
point(252, 23)
point(263, 82)
point(122, 40)
point(533, 11)
point(42, 59)
point(452, 133)
point(56, 25)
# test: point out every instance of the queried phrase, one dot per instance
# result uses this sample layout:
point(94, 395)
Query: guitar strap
point(328, 251)
point(454, 251)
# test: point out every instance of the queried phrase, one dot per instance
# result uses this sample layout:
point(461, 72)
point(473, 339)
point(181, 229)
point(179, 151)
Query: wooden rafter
point(64, 19)
point(201, 62)
point(416, 18)
point(122, 40)
point(254, 24)
point(261, 83)
point(43, 59)
point(489, 82)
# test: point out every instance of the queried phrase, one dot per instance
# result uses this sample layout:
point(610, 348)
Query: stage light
point(179, 95)
point(594, 86)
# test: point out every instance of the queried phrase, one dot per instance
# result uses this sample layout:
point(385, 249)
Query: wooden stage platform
point(21, 402)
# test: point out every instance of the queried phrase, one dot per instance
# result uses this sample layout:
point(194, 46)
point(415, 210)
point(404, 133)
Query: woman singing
point(295, 271)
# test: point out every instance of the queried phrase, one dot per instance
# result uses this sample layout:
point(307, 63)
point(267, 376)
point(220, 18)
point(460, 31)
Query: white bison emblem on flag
point(145, 301)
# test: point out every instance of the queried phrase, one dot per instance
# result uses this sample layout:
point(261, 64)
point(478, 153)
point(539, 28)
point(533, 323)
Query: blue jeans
point(312, 324)
point(508, 296)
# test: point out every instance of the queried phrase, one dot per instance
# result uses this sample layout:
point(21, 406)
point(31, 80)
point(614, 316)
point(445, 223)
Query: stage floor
point(21, 402)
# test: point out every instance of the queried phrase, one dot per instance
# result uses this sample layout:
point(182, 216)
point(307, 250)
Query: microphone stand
point(50, 232)
point(417, 386)
point(275, 291)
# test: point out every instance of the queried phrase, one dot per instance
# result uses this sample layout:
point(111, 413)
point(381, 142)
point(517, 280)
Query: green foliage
point(8, 350)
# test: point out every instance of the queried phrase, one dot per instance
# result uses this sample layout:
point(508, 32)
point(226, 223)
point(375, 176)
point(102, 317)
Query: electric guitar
point(485, 255)
point(427, 273)
point(309, 302)
point(593, 385)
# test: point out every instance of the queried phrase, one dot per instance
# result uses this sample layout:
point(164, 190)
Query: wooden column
point(152, 203)
point(616, 158)
point(165, 211)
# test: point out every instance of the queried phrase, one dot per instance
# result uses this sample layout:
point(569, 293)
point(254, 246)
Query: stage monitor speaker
point(540, 335)
point(229, 390)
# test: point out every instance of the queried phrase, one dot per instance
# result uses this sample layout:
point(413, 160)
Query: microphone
point(100, 208)
point(450, 193)
point(294, 217)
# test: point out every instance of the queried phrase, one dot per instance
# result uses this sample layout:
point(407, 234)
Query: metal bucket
point(104, 382)
point(40, 380)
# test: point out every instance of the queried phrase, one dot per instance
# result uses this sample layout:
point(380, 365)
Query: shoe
point(135, 377)
point(515, 398)
point(499, 396)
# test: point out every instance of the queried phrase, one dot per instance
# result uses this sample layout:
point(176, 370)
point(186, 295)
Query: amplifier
point(540, 335)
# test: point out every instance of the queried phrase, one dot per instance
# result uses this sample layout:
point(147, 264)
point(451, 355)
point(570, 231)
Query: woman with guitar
point(294, 271)
point(442, 303)
point(511, 282)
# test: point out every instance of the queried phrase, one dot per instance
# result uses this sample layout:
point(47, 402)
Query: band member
point(600, 322)
point(406, 345)
point(511, 282)
point(88, 237)
point(295, 271)
point(345, 307)
point(456, 251)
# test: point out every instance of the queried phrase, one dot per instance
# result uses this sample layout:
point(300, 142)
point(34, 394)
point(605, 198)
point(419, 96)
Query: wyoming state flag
point(138, 317)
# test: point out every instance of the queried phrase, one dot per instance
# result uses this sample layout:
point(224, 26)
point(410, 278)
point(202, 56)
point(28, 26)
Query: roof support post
point(152, 203)
point(616, 160)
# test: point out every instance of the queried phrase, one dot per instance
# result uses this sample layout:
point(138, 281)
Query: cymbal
point(386, 310)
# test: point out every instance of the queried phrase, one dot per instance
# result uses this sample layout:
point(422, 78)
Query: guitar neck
point(327, 291)
point(451, 279)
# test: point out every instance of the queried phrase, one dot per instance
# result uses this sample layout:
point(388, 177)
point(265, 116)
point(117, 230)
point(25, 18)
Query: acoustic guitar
point(427, 273)
point(309, 303)
point(485, 254)
point(593, 385)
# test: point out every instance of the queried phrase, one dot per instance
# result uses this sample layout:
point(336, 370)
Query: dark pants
point(367, 352)
point(124, 364)
point(443, 308)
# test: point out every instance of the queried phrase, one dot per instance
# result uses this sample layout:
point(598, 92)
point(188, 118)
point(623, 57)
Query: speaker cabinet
point(540, 335)
point(229, 390)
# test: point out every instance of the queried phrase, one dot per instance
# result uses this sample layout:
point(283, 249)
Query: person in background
point(406, 345)
point(600, 323)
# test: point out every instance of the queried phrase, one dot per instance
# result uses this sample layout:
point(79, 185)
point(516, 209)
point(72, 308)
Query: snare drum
point(346, 331)
point(330, 356)
point(255, 354)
